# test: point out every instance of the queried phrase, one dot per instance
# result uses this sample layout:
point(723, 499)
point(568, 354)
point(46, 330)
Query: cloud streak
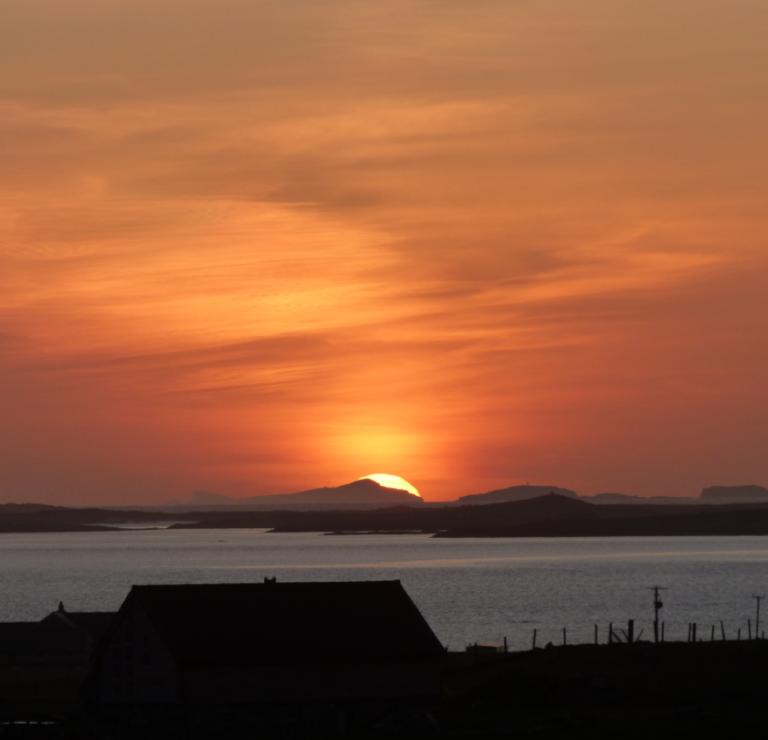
point(253, 247)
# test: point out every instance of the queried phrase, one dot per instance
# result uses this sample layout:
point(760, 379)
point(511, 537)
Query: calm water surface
point(468, 589)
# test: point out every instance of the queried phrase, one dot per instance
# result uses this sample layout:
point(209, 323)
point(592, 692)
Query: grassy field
point(34, 692)
point(674, 690)
point(621, 692)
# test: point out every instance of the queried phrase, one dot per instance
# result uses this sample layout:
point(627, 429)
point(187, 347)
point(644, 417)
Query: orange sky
point(258, 247)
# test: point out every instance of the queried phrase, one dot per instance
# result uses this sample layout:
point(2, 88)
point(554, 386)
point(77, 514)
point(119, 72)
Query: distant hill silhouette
point(735, 493)
point(26, 508)
point(364, 491)
point(205, 498)
point(515, 493)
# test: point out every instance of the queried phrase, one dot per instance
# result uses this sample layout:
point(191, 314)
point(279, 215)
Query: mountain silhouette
point(205, 498)
point(735, 493)
point(515, 493)
point(365, 491)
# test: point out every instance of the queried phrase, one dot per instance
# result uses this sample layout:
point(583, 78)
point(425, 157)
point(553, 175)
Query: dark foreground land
point(675, 690)
point(546, 516)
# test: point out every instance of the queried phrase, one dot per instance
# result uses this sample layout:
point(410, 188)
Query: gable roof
point(59, 631)
point(287, 622)
point(94, 624)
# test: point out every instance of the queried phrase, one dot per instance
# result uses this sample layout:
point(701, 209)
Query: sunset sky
point(255, 247)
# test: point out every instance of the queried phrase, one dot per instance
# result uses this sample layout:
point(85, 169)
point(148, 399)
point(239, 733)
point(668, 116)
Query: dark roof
point(58, 632)
point(94, 623)
point(287, 622)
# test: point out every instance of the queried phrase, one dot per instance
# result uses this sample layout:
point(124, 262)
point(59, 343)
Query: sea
point(469, 590)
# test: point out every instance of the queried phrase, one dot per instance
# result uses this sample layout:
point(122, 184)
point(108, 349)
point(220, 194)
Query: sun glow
point(392, 481)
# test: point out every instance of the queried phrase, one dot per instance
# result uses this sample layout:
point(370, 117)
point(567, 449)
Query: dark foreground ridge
point(545, 516)
point(40, 518)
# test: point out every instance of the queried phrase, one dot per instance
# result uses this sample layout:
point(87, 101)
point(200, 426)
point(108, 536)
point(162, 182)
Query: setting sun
point(392, 481)
point(257, 247)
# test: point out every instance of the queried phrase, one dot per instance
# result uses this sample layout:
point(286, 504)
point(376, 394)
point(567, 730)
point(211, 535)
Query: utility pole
point(757, 616)
point(657, 605)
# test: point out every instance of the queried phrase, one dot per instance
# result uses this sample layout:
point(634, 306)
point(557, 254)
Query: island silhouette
point(363, 491)
point(366, 507)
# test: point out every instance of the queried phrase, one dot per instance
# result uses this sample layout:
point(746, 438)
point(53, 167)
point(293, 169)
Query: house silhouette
point(329, 655)
point(60, 638)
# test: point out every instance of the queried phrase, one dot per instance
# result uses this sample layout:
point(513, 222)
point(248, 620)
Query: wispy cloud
point(257, 246)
